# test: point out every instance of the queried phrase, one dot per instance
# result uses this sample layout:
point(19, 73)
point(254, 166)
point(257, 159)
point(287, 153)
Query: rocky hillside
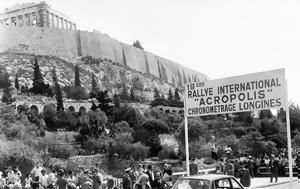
point(110, 76)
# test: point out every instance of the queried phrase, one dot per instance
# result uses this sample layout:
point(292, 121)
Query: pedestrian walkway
point(261, 182)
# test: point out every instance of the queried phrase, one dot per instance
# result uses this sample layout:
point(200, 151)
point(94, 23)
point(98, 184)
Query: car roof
point(208, 177)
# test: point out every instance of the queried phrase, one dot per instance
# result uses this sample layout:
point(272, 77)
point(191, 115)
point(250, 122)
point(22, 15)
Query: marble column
point(57, 21)
point(71, 25)
point(62, 23)
point(20, 19)
point(48, 20)
point(66, 24)
point(38, 18)
point(52, 20)
point(74, 27)
point(13, 21)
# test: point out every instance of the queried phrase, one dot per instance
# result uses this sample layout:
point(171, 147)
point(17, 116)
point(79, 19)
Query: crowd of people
point(40, 178)
point(142, 177)
point(246, 167)
point(135, 177)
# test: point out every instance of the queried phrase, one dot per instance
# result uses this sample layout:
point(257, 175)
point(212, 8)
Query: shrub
point(123, 127)
point(15, 153)
point(160, 101)
point(137, 84)
point(139, 151)
point(167, 153)
point(239, 131)
point(208, 161)
point(76, 93)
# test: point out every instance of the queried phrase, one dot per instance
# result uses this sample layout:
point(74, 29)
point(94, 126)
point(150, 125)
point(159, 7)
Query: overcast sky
point(219, 38)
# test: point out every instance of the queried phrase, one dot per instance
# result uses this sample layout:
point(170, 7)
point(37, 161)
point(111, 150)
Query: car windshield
point(191, 184)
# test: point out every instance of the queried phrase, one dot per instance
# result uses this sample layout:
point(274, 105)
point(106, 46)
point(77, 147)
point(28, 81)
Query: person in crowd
point(35, 184)
point(51, 179)
point(61, 182)
point(214, 154)
point(157, 183)
point(126, 180)
point(150, 174)
point(16, 178)
point(229, 168)
point(132, 175)
point(274, 164)
point(167, 176)
point(43, 179)
point(17, 171)
point(96, 179)
point(71, 180)
point(2, 181)
point(218, 170)
point(37, 170)
point(9, 175)
point(142, 183)
point(110, 184)
point(228, 151)
point(27, 181)
point(298, 165)
point(193, 167)
point(222, 165)
point(250, 166)
point(245, 178)
point(136, 173)
point(87, 181)
point(140, 169)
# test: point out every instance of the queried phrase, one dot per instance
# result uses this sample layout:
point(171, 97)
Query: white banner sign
point(257, 91)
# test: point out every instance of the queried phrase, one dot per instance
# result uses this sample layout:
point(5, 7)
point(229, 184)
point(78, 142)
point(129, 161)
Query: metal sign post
point(287, 111)
point(186, 136)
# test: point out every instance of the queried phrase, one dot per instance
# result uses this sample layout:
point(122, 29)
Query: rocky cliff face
point(69, 44)
point(110, 76)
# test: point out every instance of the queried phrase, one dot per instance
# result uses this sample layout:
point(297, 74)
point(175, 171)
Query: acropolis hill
point(35, 28)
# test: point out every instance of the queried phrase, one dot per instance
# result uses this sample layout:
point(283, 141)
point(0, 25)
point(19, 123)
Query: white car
point(209, 181)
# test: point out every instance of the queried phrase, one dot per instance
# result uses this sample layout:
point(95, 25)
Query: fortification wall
point(44, 41)
point(71, 44)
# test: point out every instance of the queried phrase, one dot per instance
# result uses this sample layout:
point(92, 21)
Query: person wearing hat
point(245, 178)
point(126, 180)
point(157, 183)
point(61, 182)
point(142, 182)
point(96, 179)
point(150, 174)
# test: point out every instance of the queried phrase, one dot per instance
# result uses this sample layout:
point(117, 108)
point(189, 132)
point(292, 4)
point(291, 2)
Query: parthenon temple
point(36, 15)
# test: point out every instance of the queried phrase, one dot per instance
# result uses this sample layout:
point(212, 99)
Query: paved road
point(296, 185)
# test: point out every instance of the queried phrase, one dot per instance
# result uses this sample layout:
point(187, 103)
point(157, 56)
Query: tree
point(77, 77)
point(196, 129)
point(265, 114)
point(124, 96)
point(132, 96)
point(39, 87)
point(91, 124)
point(116, 100)
point(156, 93)
point(49, 116)
point(137, 44)
point(76, 93)
point(176, 96)
point(105, 102)
point(127, 113)
point(94, 83)
point(170, 96)
point(17, 86)
point(7, 91)
point(148, 134)
point(58, 93)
